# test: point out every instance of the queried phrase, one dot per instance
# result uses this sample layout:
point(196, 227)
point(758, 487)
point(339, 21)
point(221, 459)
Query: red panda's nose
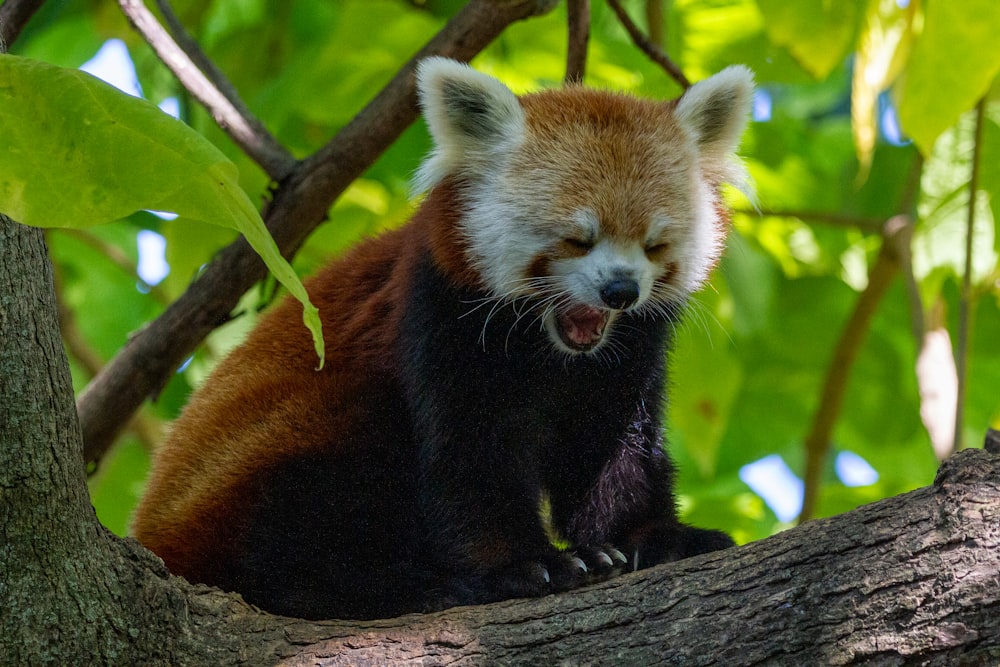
point(620, 293)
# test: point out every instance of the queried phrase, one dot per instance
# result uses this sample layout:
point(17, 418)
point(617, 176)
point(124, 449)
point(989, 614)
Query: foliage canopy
point(867, 111)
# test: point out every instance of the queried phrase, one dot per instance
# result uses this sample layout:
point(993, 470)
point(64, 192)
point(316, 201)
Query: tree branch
point(817, 442)
point(647, 46)
point(965, 302)
point(578, 38)
point(299, 204)
point(14, 15)
point(117, 257)
point(907, 580)
point(899, 581)
point(872, 225)
point(654, 21)
point(216, 94)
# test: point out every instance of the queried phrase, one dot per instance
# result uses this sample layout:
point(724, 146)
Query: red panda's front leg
point(629, 502)
point(479, 502)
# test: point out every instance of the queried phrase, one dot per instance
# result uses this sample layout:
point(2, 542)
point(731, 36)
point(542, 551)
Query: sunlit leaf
point(818, 33)
point(882, 51)
point(954, 61)
point(75, 152)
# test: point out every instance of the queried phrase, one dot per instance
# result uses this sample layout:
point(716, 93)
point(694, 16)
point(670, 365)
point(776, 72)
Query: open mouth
point(581, 327)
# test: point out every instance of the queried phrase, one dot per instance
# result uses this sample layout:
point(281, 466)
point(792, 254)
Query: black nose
point(620, 293)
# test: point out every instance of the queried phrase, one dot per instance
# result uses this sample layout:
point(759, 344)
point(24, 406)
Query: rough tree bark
point(910, 580)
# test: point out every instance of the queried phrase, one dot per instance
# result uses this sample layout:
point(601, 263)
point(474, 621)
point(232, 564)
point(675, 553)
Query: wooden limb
point(647, 46)
point(229, 112)
point(654, 21)
point(817, 443)
point(299, 204)
point(907, 580)
point(578, 37)
point(912, 579)
point(14, 15)
point(965, 302)
point(873, 225)
point(145, 427)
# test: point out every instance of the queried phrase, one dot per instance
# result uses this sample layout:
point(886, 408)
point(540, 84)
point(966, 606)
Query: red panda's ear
point(715, 111)
point(473, 118)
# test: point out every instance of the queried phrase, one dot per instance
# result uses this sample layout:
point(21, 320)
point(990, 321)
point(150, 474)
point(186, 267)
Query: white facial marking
point(516, 175)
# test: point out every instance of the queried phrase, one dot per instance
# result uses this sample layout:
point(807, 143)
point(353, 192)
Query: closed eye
point(656, 248)
point(579, 245)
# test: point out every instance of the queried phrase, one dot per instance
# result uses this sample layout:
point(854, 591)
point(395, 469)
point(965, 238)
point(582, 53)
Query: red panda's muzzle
point(581, 327)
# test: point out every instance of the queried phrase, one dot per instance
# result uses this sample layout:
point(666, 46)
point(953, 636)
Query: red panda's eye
point(656, 248)
point(584, 245)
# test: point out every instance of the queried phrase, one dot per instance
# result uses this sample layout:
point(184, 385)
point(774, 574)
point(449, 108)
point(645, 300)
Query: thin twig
point(908, 206)
point(144, 426)
point(654, 22)
point(817, 443)
point(862, 223)
point(965, 302)
point(223, 103)
point(654, 52)
point(578, 37)
point(118, 258)
point(300, 203)
point(14, 15)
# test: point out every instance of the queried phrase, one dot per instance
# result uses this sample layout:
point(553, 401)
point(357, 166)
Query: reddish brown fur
point(624, 178)
point(465, 433)
point(185, 512)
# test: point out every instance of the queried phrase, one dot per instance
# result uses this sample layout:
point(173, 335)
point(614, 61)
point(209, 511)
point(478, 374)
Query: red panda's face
point(585, 204)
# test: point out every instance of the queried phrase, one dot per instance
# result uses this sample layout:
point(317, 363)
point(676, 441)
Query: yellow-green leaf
point(817, 33)
point(953, 63)
point(882, 51)
point(76, 152)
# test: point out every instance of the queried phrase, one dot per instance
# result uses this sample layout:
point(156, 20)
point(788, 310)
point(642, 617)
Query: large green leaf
point(952, 65)
point(817, 33)
point(75, 152)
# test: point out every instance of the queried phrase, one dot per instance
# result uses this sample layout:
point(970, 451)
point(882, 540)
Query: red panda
point(506, 345)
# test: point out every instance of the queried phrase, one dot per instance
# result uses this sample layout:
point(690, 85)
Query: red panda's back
point(266, 402)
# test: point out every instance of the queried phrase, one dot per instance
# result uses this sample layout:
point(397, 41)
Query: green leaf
point(951, 67)
point(817, 33)
point(881, 54)
point(76, 152)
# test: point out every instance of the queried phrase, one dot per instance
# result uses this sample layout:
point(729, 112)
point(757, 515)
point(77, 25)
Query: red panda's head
point(586, 203)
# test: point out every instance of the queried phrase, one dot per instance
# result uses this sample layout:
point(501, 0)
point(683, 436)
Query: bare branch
point(817, 443)
point(300, 203)
point(578, 37)
point(654, 21)
point(222, 102)
point(864, 224)
point(144, 426)
point(117, 257)
point(648, 47)
point(965, 303)
point(14, 15)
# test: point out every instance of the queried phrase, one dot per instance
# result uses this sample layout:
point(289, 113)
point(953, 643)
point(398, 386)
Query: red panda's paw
point(603, 562)
point(542, 574)
point(557, 571)
point(665, 541)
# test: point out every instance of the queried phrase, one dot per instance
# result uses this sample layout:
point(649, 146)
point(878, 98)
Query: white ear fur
point(473, 118)
point(715, 111)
